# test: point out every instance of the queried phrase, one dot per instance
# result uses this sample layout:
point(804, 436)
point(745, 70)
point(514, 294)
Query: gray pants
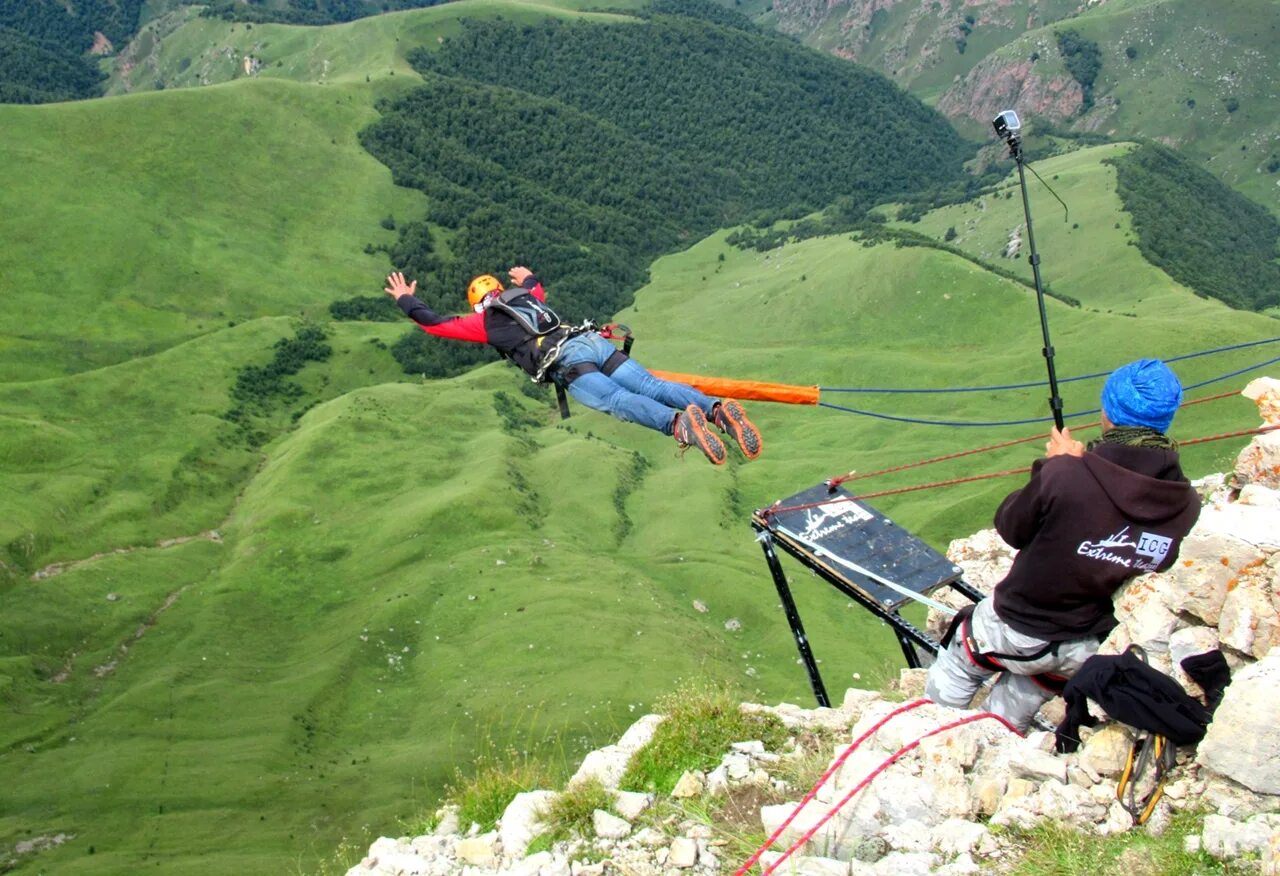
point(954, 678)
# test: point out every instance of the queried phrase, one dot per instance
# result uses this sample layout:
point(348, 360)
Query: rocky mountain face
point(915, 788)
point(924, 47)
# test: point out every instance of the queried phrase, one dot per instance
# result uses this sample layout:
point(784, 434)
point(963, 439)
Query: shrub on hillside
point(368, 308)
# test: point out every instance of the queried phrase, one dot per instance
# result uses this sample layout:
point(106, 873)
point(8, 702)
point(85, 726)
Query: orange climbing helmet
point(482, 286)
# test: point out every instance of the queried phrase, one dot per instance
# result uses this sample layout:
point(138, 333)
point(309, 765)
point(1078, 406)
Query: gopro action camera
point(1006, 124)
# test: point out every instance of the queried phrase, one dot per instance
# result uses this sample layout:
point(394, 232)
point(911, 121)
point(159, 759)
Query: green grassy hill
point(924, 47)
point(182, 49)
point(180, 213)
point(217, 658)
point(1200, 79)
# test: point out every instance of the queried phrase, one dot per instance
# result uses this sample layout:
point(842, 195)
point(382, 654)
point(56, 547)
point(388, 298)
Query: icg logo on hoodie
point(1145, 554)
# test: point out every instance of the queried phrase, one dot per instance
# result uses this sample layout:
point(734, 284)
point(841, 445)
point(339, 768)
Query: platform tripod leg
point(909, 651)
point(793, 618)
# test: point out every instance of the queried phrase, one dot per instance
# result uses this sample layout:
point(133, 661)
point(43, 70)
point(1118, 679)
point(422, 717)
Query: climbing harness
point(1149, 750)
point(550, 356)
point(961, 627)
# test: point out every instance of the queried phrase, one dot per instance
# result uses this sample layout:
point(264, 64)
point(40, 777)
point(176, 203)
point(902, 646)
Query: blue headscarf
point(1142, 393)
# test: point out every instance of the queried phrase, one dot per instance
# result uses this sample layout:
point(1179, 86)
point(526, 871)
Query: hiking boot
point(691, 431)
point(732, 420)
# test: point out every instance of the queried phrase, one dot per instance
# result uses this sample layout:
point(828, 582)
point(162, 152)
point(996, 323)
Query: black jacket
point(1084, 526)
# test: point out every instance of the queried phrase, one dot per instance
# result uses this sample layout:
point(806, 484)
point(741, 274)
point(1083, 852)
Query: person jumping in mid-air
point(517, 323)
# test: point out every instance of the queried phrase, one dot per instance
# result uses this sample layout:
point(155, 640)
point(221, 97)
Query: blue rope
point(1031, 420)
point(1232, 374)
point(1041, 383)
point(952, 422)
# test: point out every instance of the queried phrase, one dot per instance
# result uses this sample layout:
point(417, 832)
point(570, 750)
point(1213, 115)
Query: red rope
point(854, 476)
point(982, 477)
point(822, 781)
point(766, 512)
point(893, 758)
point(1261, 430)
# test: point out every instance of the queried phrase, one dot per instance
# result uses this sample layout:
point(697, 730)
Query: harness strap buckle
point(551, 356)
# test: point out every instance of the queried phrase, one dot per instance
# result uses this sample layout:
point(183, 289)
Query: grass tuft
point(702, 722)
point(1051, 849)
point(500, 774)
point(570, 813)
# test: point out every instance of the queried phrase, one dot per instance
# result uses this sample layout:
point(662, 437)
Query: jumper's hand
point(396, 286)
point(519, 274)
point(1062, 444)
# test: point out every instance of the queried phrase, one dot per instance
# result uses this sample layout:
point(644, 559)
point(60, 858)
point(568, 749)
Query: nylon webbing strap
point(867, 573)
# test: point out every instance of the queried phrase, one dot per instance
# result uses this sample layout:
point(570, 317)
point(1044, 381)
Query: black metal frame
point(911, 638)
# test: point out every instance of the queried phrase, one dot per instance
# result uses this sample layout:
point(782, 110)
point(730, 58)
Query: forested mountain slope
point(1200, 77)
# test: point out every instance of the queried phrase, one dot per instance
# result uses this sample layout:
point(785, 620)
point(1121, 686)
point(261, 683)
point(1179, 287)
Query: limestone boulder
point(608, 764)
point(1259, 463)
point(1243, 742)
point(521, 821)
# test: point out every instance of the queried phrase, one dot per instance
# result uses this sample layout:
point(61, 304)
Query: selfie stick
point(1007, 127)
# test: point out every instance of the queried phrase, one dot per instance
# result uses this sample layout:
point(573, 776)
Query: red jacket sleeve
point(460, 328)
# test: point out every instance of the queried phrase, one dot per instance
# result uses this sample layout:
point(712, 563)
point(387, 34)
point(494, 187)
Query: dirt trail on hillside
point(54, 569)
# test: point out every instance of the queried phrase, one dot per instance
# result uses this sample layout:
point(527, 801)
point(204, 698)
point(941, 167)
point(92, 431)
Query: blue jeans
point(630, 393)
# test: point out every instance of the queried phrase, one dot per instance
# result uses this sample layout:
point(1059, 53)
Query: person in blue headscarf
point(1088, 520)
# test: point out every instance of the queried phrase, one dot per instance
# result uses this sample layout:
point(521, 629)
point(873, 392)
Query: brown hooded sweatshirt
point(1084, 526)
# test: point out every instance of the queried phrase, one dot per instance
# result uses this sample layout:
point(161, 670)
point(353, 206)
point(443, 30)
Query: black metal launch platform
point(864, 555)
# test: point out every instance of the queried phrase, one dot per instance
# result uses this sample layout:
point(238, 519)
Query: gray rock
point(809, 865)
point(684, 853)
point(718, 781)
point(1107, 750)
point(521, 821)
point(691, 784)
point(1249, 621)
point(532, 865)
point(957, 836)
point(630, 804)
point(737, 766)
point(478, 851)
point(1243, 742)
point(908, 836)
point(608, 764)
point(1037, 765)
point(609, 826)
point(1226, 839)
point(906, 864)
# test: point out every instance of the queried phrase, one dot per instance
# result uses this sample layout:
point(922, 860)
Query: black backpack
point(531, 314)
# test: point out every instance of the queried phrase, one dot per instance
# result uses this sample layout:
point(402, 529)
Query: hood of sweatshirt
point(1145, 483)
